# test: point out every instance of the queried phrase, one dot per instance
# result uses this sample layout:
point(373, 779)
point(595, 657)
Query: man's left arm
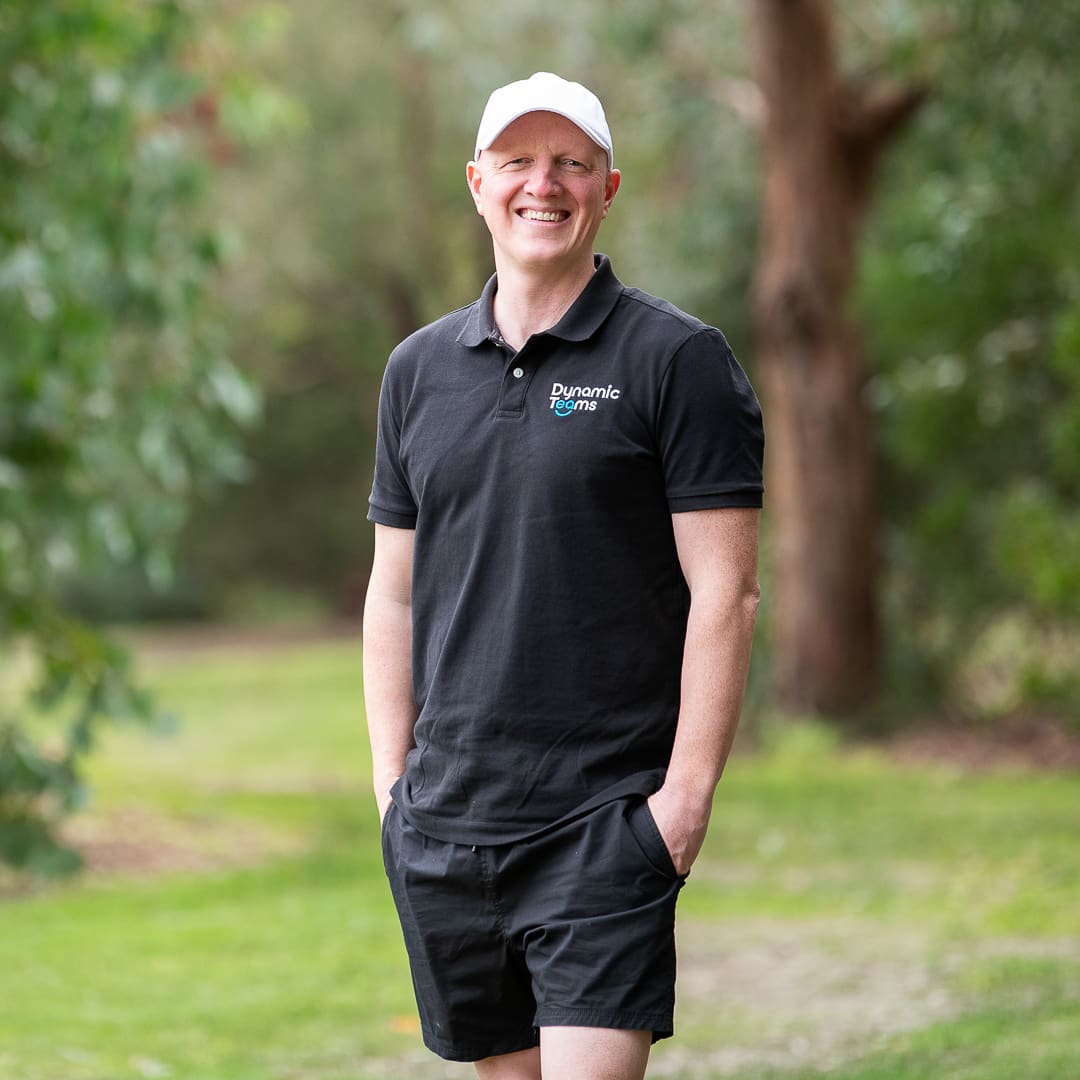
point(718, 554)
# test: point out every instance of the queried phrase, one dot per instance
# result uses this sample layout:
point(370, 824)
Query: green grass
point(850, 917)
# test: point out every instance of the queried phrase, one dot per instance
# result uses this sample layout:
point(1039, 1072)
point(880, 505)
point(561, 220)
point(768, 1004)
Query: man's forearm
point(388, 690)
point(716, 658)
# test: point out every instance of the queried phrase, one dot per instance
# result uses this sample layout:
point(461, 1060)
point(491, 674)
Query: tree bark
point(822, 138)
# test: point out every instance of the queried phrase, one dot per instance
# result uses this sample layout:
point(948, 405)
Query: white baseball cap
point(544, 92)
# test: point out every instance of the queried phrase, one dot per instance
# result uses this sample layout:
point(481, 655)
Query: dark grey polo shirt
point(549, 609)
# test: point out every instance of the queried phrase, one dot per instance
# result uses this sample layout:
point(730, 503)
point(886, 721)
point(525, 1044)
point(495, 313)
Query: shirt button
point(518, 372)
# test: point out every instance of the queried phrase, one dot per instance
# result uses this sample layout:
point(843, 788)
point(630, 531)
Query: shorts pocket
point(643, 825)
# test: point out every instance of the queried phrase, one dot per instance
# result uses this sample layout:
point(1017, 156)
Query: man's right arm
point(388, 685)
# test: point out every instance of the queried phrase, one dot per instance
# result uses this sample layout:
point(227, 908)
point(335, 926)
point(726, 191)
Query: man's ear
point(474, 179)
point(611, 187)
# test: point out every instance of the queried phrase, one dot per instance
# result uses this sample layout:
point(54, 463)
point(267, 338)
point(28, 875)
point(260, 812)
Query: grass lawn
point(851, 916)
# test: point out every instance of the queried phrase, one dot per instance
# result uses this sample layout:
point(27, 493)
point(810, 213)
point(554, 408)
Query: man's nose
point(543, 178)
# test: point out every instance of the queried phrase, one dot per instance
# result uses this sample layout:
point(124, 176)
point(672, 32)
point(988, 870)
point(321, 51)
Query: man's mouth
point(544, 215)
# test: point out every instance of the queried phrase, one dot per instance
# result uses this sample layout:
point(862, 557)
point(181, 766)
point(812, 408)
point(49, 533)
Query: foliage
point(972, 302)
point(361, 229)
point(869, 918)
point(116, 397)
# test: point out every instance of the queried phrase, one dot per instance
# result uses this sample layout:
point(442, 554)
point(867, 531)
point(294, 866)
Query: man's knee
point(522, 1065)
point(586, 1053)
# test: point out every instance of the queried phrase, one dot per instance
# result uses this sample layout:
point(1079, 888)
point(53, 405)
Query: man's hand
point(682, 824)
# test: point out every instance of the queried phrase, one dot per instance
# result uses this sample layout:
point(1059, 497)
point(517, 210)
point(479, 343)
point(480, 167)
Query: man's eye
point(574, 164)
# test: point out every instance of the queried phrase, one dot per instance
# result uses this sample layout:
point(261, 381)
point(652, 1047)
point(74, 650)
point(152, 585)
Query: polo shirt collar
point(581, 321)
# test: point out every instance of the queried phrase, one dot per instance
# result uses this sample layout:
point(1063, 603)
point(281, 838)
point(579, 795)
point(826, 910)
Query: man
point(558, 624)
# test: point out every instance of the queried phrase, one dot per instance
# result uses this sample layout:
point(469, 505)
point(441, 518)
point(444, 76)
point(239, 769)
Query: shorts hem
point(477, 1051)
point(660, 1024)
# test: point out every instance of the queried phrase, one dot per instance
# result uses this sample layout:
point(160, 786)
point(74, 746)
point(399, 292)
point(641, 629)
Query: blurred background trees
point(321, 148)
point(117, 399)
point(970, 298)
point(964, 294)
point(824, 134)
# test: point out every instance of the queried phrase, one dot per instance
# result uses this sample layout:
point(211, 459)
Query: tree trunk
point(822, 136)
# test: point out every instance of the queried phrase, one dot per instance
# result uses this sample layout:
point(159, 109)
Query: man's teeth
point(542, 215)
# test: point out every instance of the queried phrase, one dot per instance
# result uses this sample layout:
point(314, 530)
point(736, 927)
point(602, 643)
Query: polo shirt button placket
point(515, 385)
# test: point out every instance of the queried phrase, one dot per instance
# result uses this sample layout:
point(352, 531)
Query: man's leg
point(574, 1053)
point(582, 1053)
point(524, 1065)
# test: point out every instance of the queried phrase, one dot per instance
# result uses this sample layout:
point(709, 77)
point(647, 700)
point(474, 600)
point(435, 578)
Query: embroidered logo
point(571, 399)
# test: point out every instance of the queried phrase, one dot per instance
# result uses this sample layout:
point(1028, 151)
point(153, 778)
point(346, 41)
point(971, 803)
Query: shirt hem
point(452, 830)
point(716, 500)
point(393, 518)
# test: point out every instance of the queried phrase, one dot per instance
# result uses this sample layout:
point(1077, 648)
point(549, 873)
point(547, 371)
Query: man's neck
point(528, 303)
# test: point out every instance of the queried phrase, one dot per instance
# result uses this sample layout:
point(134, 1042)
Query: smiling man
point(559, 619)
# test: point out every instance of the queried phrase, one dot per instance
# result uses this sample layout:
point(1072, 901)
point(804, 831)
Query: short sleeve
point(391, 501)
point(709, 428)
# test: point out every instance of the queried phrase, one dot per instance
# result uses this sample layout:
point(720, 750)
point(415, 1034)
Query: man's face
point(543, 187)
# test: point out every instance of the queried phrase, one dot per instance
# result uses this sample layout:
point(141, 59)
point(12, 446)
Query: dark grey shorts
point(574, 926)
